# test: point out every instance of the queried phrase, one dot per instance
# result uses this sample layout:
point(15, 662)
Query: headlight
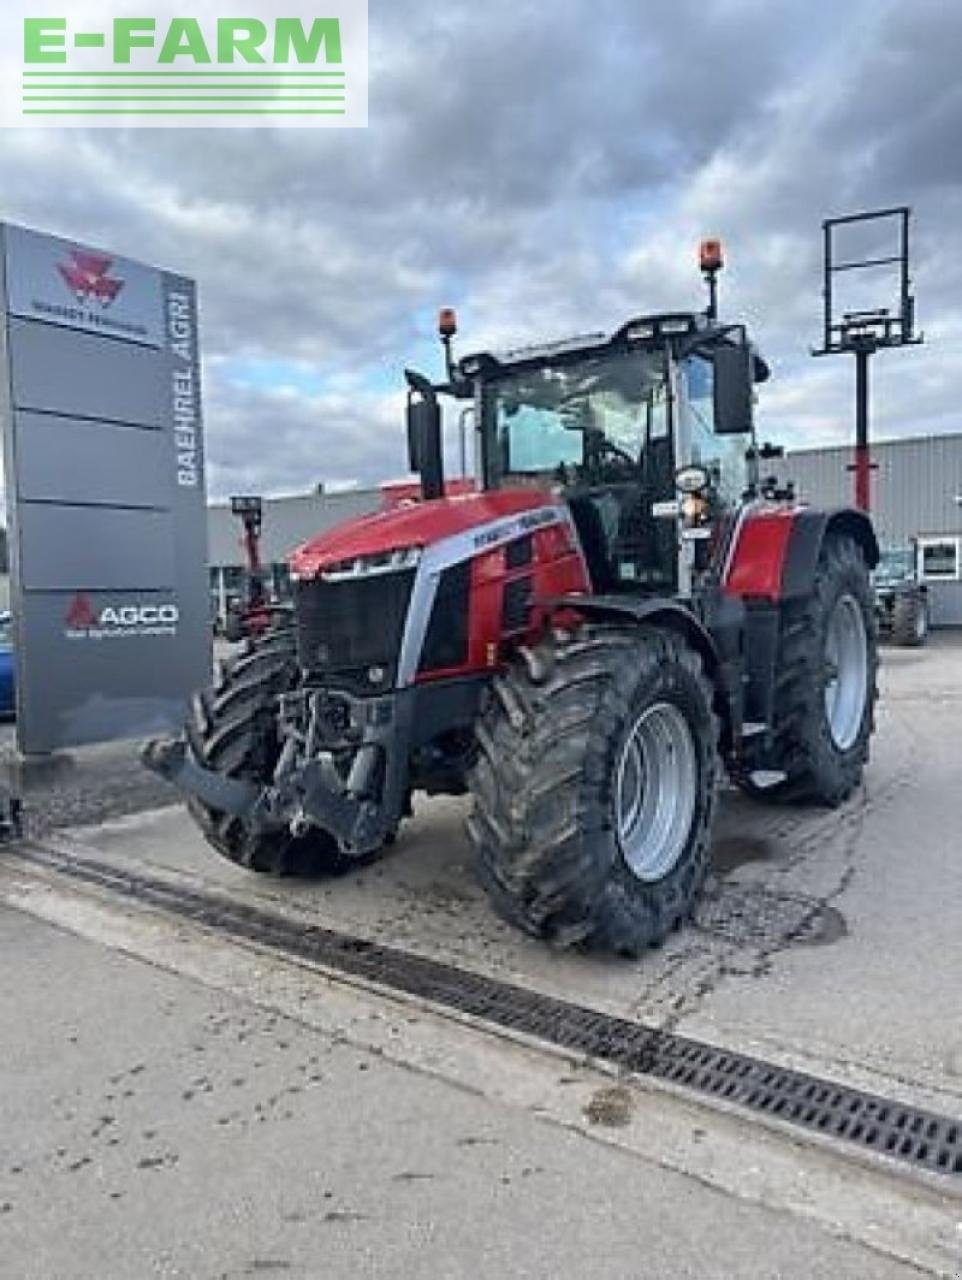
point(368, 566)
point(693, 479)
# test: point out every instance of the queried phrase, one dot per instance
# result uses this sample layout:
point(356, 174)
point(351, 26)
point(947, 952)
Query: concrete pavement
point(153, 1126)
point(826, 940)
point(831, 940)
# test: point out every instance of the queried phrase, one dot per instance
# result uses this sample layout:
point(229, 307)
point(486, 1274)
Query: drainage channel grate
point(919, 1138)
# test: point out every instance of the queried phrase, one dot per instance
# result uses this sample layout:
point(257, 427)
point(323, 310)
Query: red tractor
point(624, 606)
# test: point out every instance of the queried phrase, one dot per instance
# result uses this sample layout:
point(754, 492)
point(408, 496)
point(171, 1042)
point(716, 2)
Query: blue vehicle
point(7, 704)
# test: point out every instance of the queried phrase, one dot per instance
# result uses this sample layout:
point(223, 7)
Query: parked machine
point(901, 599)
point(255, 612)
point(581, 644)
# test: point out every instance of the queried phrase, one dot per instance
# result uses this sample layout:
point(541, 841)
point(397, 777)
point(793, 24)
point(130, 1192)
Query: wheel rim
point(655, 791)
point(846, 662)
point(921, 623)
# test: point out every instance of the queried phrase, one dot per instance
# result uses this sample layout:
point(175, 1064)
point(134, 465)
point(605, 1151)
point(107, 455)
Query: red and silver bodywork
point(517, 549)
point(775, 546)
point(520, 554)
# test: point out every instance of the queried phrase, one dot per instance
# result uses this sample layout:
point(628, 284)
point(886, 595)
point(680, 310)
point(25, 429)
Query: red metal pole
point(863, 481)
point(863, 459)
point(252, 546)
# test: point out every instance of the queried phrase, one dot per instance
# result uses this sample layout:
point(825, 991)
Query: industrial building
point(916, 498)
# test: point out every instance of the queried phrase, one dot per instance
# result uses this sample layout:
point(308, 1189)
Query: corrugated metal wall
point(914, 492)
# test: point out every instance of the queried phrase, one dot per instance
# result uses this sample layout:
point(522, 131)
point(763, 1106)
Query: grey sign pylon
point(104, 465)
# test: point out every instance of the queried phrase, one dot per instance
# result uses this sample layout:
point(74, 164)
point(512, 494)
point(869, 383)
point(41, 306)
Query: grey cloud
point(284, 441)
point(548, 169)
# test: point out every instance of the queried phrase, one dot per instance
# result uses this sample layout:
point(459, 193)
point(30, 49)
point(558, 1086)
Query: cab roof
point(683, 328)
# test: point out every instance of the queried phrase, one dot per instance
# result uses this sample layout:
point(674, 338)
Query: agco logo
point(87, 276)
point(83, 621)
point(81, 614)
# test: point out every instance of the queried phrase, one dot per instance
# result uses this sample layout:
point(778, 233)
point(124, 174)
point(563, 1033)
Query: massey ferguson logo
point(87, 276)
point(84, 622)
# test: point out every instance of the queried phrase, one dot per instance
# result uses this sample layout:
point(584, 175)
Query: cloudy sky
point(547, 169)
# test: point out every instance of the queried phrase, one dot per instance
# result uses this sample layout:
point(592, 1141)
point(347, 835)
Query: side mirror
point(424, 434)
point(732, 384)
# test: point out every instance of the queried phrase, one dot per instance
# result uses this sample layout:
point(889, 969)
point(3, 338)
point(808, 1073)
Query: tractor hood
point(419, 525)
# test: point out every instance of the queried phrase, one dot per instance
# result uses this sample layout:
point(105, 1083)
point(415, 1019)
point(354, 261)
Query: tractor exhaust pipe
point(424, 434)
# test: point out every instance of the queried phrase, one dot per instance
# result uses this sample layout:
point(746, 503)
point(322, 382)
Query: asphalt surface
point(829, 941)
point(829, 938)
point(154, 1127)
point(88, 786)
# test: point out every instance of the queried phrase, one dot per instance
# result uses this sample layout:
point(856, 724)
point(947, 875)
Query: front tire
point(595, 788)
point(232, 729)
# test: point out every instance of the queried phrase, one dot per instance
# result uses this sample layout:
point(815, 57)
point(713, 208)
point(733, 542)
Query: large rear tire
point(825, 683)
point(595, 787)
point(232, 729)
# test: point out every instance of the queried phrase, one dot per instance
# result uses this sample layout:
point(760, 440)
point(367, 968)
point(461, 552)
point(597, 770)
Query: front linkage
point(360, 808)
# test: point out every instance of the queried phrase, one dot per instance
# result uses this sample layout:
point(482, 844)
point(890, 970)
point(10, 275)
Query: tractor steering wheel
point(608, 446)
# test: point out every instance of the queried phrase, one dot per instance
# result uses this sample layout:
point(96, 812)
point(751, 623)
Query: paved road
point(152, 1126)
point(880, 991)
point(829, 940)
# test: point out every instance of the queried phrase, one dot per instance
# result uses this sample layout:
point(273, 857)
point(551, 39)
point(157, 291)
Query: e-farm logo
point(306, 65)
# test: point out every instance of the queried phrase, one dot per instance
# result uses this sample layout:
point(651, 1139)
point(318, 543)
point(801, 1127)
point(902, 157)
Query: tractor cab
point(638, 431)
point(644, 432)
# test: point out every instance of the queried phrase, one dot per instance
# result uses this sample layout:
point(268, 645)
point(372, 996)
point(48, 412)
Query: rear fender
point(776, 550)
point(809, 532)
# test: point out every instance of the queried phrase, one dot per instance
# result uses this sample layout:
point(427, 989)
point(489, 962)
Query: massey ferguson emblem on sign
point(87, 277)
point(84, 622)
point(65, 283)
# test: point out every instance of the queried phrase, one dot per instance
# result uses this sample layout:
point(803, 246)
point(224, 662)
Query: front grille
point(446, 641)
point(350, 625)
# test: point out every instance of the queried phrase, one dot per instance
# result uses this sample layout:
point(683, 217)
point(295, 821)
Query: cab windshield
point(580, 417)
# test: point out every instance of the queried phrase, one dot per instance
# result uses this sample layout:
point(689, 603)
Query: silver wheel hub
point(846, 671)
point(656, 784)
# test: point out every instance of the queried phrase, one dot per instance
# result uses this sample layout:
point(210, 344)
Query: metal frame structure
point(862, 333)
point(249, 510)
